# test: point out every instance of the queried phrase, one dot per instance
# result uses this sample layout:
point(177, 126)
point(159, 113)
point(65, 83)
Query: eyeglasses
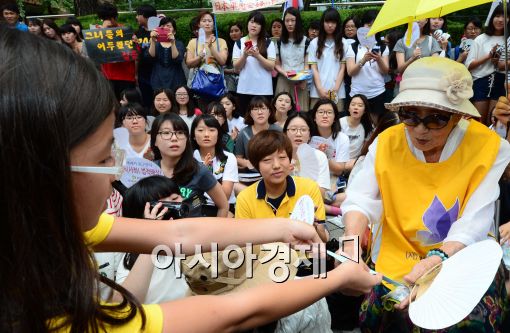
point(259, 109)
point(167, 135)
point(131, 118)
point(328, 113)
point(181, 95)
point(433, 121)
point(294, 130)
point(116, 161)
point(473, 29)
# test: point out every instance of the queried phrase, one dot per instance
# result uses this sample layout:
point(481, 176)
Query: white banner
point(235, 6)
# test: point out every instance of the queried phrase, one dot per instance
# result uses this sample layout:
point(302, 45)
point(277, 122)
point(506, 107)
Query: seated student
point(136, 272)
point(173, 153)
point(277, 193)
point(206, 133)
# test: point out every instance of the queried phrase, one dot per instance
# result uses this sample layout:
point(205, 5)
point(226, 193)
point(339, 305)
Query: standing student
point(143, 13)
point(231, 75)
point(325, 55)
point(174, 154)
point(291, 57)
point(206, 134)
point(482, 62)
point(60, 274)
point(167, 57)
point(72, 39)
point(11, 15)
point(254, 57)
point(440, 23)
point(367, 69)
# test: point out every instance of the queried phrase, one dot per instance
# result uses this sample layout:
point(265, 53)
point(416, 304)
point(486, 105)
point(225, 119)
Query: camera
point(191, 207)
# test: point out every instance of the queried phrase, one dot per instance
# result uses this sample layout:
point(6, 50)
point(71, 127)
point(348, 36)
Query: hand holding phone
point(248, 44)
point(162, 34)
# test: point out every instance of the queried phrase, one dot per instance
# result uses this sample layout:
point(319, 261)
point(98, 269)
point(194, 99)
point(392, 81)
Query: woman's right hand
point(154, 213)
point(356, 278)
point(154, 35)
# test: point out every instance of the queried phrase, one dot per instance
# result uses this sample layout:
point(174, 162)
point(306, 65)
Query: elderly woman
point(427, 188)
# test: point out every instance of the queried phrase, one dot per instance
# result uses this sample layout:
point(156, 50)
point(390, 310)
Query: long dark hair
point(209, 121)
point(187, 165)
point(41, 238)
point(145, 190)
point(491, 30)
point(259, 18)
point(335, 128)
point(216, 107)
point(365, 118)
point(50, 23)
point(170, 95)
point(331, 15)
point(65, 28)
point(74, 21)
point(387, 119)
point(234, 101)
point(298, 28)
point(302, 115)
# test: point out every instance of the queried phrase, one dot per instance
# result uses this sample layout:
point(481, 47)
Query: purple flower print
point(438, 221)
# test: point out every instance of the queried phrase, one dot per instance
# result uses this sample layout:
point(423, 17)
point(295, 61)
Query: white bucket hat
point(438, 83)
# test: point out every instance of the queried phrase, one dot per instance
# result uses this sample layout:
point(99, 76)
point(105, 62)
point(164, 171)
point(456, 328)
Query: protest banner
point(107, 45)
point(235, 6)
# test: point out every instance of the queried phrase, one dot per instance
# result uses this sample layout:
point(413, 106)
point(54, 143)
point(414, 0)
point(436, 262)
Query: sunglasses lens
point(436, 121)
point(408, 118)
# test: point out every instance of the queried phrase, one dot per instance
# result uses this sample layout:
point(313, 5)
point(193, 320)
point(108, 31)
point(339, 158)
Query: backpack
point(279, 46)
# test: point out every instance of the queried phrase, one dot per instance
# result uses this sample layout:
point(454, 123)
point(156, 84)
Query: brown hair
point(267, 142)
point(257, 102)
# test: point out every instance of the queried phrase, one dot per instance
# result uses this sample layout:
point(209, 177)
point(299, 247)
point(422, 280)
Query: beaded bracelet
point(438, 252)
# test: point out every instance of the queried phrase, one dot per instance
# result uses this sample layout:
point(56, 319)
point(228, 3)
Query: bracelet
point(438, 252)
point(361, 64)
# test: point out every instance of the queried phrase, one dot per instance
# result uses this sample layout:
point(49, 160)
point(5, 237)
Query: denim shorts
point(489, 87)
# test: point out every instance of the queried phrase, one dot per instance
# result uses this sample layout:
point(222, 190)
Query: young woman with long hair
point(51, 30)
point(72, 39)
point(283, 105)
point(326, 55)
point(234, 120)
point(186, 104)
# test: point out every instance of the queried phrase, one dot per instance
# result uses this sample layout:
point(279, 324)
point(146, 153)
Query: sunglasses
point(433, 121)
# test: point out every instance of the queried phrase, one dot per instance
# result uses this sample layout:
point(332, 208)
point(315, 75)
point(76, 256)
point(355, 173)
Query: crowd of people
point(405, 145)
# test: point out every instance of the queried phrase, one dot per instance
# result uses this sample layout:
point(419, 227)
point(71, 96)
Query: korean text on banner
point(110, 45)
point(233, 6)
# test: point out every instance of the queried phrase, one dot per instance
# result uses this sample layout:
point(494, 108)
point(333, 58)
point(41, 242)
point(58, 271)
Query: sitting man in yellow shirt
point(278, 192)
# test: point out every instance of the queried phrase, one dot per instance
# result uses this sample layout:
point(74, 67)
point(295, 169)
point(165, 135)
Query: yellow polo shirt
point(252, 202)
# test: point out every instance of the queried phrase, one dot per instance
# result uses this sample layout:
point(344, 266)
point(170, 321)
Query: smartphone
point(162, 34)
point(376, 49)
point(248, 44)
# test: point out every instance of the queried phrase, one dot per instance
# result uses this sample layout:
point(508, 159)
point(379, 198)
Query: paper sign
point(107, 45)
point(364, 40)
point(136, 168)
point(304, 210)
point(235, 6)
point(153, 22)
point(317, 141)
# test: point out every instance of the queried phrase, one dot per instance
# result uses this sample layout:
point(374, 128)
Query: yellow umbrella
point(398, 12)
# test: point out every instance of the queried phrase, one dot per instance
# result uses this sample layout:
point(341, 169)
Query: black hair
point(475, 20)
point(194, 26)
point(298, 28)
point(426, 28)
point(74, 21)
point(368, 18)
point(166, 20)
point(11, 6)
point(217, 107)
point(132, 95)
point(302, 115)
point(259, 18)
point(66, 28)
point(210, 121)
point(44, 232)
point(365, 118)
point(233, 99)
point(498, 11)
point(444, 28)
point(391, 39)
point(107, 11)
point(191, 106)
point(146, 11)
point(236, 24)
point(292, 103)
point(331, 15)
point(187, 165)
point(256, 102)
point(152, 188)
point(315, 24)
point(170, 95)
point(50, 23)
point(131, 109)
point(356, 22)
point(335, 128)
point(37, 22)
point(279, 20)
point(387, 119)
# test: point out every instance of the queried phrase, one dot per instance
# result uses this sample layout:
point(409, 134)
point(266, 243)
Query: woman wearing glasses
point(134, 119)
point(173, 153)
point(427, 187)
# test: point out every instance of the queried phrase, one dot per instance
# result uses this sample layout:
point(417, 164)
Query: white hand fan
point(121, 136)
point(415, 34)
point(364, 40)
point(438, 33)
point(308, 162)
point(448, 293)
point(304, 210)
point(153, 22)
